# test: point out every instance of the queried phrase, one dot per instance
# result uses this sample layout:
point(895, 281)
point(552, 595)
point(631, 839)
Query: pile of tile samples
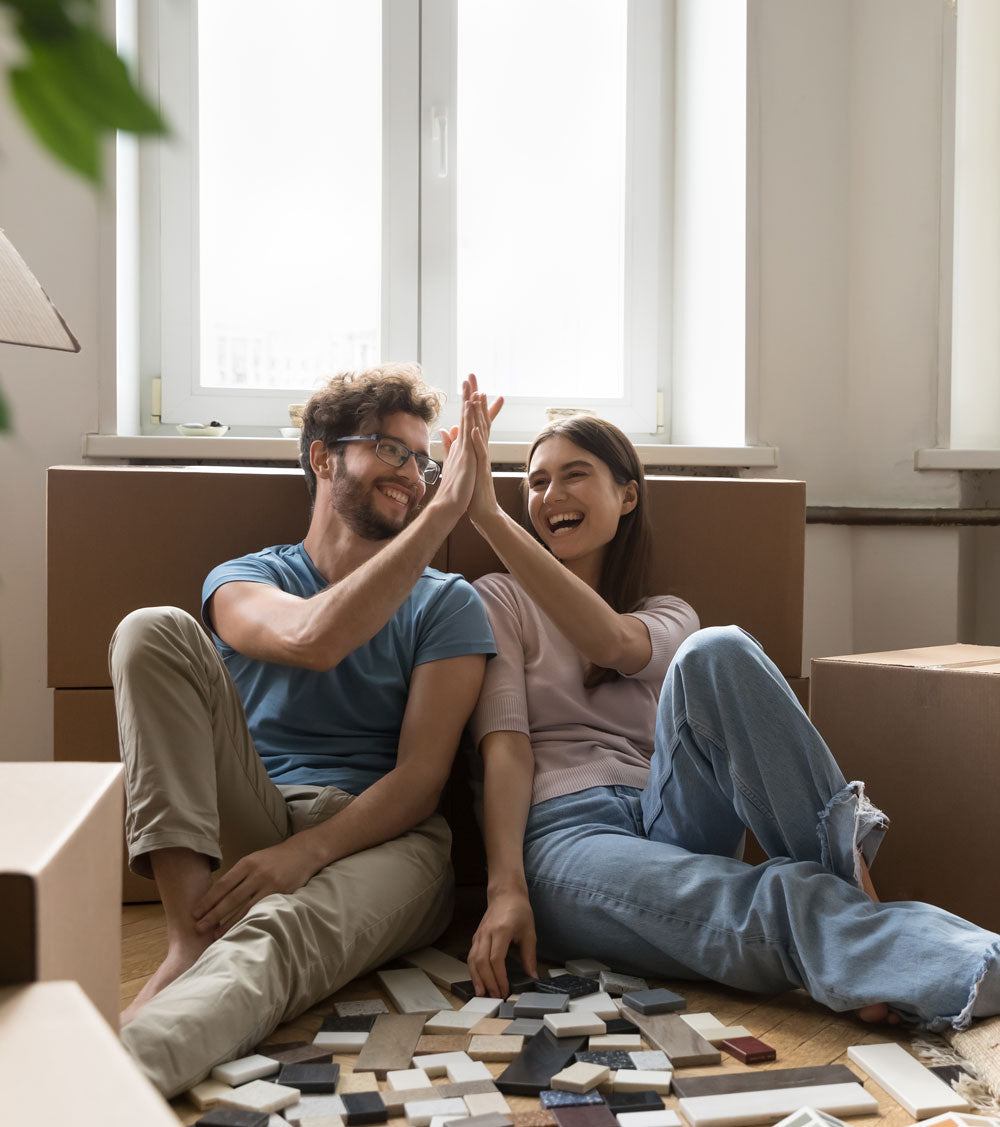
point(405, 1065)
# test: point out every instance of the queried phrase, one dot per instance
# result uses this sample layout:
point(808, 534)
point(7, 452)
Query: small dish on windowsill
point(206, 430)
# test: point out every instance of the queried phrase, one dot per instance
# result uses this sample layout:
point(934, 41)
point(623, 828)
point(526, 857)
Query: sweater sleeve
point(502, 705)
point(669, 621)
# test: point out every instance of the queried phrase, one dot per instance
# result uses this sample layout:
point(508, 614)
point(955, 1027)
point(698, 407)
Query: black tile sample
point(634, 1101)
point(540, 1059)
point(233, 1117)
point(464, 990)
point(310, 1077)
point(364, 1107)
point(621, 1025)
point(574, 985)
point(360, 1023)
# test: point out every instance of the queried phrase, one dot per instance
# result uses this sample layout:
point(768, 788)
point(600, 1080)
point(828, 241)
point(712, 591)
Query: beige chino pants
point(194, 779)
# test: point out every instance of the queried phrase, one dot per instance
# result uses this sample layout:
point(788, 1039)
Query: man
point(312, 752)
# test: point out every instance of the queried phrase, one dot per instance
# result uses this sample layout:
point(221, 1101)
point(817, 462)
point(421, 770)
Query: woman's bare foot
point(179, 958)
point(879, 1011)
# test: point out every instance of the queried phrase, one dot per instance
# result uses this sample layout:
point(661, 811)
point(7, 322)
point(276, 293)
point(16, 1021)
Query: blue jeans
point(649, 881)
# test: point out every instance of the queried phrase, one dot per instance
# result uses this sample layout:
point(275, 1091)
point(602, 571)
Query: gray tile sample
point(391, 1043)
point(524, 1027)
point(654, 1001)
point(635, 1101)
point(232, 1117)
point(296, 1052)
point(506, 1009)
point(587, 968)
point(616, 984)
point(585, 1115)
point(412, 991)
point(574, 985)
point(538, 1004)
point(672, 1034)
point(611, 1058)
point(540, 1059)
point(551, 1097)
point(746, 1080)
point(364, 1107)
point(358, 1023)
point(310, 1076)
point(360, 1006)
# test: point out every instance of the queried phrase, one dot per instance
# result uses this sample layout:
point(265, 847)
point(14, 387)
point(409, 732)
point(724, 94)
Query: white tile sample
point(712, 1029)
point(495, 1048)
point(439, 967)
point(441, 1120)
point(402, 1078)
point(436, 1064)
point(206, 1094)
point(461, 1070)
point(340, 1042)
point(412, 991)
point(554, 972)
point(744, 1109)
point(601, 1004)
point(452, 1021)
point(421, 1112)
point(810, 1117)
point(905, 1079)
point(310, 1105)
point(580, 1077)
point(485, 1007)
point(643, 1080)
point(245, 1069)
point(662, 1118)
point(625, 1041)
point(654, 1059)
point(575, 1023)
point(483, 1103)
point(586, 968)
point(261, 1095)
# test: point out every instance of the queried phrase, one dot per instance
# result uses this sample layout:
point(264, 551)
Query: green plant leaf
point(72, 137)
point(90, 75)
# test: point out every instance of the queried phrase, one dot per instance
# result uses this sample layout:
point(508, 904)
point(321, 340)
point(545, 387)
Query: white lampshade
point(27, 316)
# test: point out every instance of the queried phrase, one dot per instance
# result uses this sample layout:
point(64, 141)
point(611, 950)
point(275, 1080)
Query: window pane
point(290, 189)
point(541, 195)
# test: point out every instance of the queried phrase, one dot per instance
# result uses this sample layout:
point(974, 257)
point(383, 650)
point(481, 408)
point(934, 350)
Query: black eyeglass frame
point(428, 469)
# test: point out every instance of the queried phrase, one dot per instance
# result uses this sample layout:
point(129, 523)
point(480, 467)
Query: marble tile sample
point(310, 1076)
point(749, 1050)
point(261, 1095)
point(540, 1059)
point(232, 1117)
point(613, 983)
point(245, 1069)
point(905, 1079)
point(550, 1097)
point(586, 968)
point(412, 991)
point(574, 1023)
point(671, 1034)
point(643, 1080)
point(443, 1043)
point(653, 1058)
point(644, 1100)
point(443, 969)
point(744, 1109)
point(420, 1112)
point(401, 1078)
point(360, 1007)
point(535, 1004)
point(660, 1118)
point(580, 1077)
point(495, 1048)
point(658, 1001)
point(391, 1043)
point(745, 1080)
point(206, 1094)
point(364, 1107)
point(614, 1059)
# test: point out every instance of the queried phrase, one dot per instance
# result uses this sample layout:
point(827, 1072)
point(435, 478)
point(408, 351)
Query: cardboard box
point(919, 727)
point(59, 1063)
point(60, 877)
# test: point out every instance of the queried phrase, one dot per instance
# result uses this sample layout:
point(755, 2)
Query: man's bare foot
point(879, 1011)
point(180, 957)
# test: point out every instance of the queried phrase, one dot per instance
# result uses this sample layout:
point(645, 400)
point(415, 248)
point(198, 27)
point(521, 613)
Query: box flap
point(983, 659)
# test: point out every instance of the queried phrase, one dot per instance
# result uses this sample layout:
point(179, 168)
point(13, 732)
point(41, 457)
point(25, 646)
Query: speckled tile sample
point(495, 1048)
point(360, 1007)
point(611, 1058)
point(551, 1097)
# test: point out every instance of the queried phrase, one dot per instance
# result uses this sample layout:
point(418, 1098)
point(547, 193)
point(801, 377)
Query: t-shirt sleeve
point(250, 569)
point(669, 621)
point(502, 705)
point(456, 626)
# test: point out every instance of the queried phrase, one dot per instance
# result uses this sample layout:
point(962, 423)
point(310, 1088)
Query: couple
point(624, 754)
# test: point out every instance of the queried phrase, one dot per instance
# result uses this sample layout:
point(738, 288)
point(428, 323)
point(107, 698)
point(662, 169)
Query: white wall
point(849, 167)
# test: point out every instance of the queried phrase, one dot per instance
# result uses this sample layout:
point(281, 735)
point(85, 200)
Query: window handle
point(439, 138)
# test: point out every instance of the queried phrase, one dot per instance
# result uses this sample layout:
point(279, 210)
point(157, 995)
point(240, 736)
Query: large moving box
point(922, 728)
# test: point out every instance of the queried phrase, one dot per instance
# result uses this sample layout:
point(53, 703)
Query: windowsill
point(938, 459)
point(183, 449)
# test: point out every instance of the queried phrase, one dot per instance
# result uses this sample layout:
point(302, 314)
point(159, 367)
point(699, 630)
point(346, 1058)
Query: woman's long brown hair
point(624, 581)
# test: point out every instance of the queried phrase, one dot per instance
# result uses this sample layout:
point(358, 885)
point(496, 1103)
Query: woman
point(614, 812)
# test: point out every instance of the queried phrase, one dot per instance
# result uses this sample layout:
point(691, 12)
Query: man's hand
point(508, 919)
point(279, 868)
point(474, 436)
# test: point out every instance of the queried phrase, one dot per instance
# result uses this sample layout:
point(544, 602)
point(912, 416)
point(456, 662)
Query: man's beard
point(351, 500)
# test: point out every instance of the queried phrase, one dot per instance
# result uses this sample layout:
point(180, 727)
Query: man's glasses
point(394, 453)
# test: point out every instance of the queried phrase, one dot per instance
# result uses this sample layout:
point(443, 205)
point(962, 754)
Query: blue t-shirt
point(341, 727)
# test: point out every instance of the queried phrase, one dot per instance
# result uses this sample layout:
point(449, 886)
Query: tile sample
point(624, 1041)
point(436, 1064)
point(420, 1112)
point(507, 1008)
point(743, 1080)
point(585, 1115)
point(540, 1059)
point(464, 989)
point(654, 1001)
point(232, 1117)
point(490, 1027)
point(750, 1050)
point(395, 1101)
point(443, 1043)
point(355, 1023)
point(617, 984)
point(660, 1118)
point(310, 1076)
point(461, 1070)
point(451, 1021)
point(575, 985)
point(295, 1052)
point(443, 969)
point(574, 1023)
point(713, 1030)
point(809, 1117)
point(524, 1027)
point(486, 1007)
point(644, 1100)
point(364, 1107)
point(554, 972)
point(313, 1106)
point(401, 1078)
point(580, 1077)
point(534, 1004)
point(488, 1119)
point(206, 1094)
point(412, 991)
point(905, 1079)
point(336, 1042)
point(748, 1108)
point(245, 1069)
point(643, 1080)
point(654, 1059)
point(534, 1118)
point(441, 1120)
point(550, 1097)
point(358, 1082)
point(622, 1024)
point(600, 1003)
point(261, 1095)
point(391, 1043)
point(486, 1103)
point(360, 1007)
point(495, 1048)
point(612, 1058)
point(586, 968)
point(671, 1034)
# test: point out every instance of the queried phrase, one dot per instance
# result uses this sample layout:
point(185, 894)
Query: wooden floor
point(803, 1032)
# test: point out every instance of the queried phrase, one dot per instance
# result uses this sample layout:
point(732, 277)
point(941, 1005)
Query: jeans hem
point(964, 1019)
point(850, 813)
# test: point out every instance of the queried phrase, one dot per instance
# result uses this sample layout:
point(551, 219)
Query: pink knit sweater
point(580, 737)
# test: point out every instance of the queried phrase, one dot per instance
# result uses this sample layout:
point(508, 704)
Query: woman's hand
point(508, 919)
point(484, 501)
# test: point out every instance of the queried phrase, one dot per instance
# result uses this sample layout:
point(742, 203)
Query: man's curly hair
point(355, 401)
